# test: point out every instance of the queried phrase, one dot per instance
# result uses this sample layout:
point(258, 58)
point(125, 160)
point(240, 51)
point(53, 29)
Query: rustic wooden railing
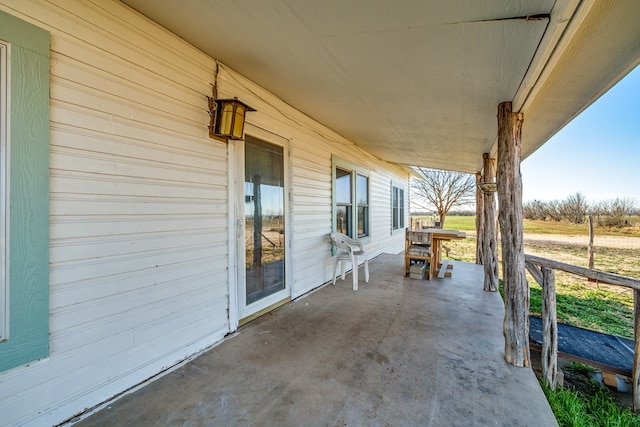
point(542, 270)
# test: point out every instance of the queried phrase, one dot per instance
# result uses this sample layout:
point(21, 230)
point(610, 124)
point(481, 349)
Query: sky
point(596, 154)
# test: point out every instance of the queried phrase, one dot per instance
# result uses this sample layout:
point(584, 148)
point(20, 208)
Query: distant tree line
point(618, 212)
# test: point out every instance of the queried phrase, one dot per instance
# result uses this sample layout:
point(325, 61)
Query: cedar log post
point(490, 238)
point(516, 288)
point(549, 329)
point(635, 387)
point(545, 277)
point(590, 251)
point(479, 220)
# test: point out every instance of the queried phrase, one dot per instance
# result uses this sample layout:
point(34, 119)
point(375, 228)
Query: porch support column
point(516, 288)
point(479, 219)
point(490, 239)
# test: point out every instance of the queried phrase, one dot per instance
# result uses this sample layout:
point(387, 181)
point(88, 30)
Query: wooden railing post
point(590, 251)
point(545, 277)
point(636, 354)
point(549, 329)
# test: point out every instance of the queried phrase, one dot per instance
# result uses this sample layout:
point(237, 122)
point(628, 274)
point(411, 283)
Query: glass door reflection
point(264, 220)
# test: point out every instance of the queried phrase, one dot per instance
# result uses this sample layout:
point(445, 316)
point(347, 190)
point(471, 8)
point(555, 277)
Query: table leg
point(437, 255)
point(437, 243)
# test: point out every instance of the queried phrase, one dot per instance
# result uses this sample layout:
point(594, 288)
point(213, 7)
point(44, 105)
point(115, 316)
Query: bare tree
point(440, 190)
point(574, 208)
point(553, 210)
point(535, 209)
point(615, 213)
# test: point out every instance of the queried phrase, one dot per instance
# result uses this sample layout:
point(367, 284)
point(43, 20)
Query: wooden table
point(438, 236)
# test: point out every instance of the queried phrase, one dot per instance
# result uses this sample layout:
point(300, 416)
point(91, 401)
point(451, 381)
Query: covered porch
point(399, 351)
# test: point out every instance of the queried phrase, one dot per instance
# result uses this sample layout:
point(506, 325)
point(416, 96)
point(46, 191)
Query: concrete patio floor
point(398, 352)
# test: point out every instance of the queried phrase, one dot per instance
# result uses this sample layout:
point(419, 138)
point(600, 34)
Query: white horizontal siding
point(138, 210)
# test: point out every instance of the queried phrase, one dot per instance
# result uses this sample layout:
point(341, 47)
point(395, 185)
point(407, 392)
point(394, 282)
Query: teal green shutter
point(29, 193)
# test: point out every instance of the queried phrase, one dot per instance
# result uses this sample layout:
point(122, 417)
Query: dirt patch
point(603, 241)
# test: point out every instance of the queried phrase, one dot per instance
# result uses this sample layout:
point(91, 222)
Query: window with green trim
point(397, 207)
point(350, 199)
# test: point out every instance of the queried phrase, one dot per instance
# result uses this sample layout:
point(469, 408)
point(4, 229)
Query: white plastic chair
point(349, 250)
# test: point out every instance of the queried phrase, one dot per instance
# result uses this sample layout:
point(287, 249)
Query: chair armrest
point(354, 242)
point(344, 242)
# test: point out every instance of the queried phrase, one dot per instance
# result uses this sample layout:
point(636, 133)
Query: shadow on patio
point(397, 352)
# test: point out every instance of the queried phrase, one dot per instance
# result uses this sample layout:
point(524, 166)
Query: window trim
point(4, 191)
point(354, 170)
point(337, 204)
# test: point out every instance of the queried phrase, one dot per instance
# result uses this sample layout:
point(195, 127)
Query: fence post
point(636, 353)
point(549, 329)
point(591, 252)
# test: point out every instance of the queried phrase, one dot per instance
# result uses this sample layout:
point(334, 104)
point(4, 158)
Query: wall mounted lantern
point(488, 187)
point(227, 117)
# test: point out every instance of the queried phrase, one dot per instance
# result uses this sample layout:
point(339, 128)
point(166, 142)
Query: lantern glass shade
point(238, 120)
point(230, 115)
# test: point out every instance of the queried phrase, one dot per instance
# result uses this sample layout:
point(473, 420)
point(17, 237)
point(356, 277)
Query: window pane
point(363, 221)
point(362, 190)
point(395, 218)
point(343, 220)
point(343, 187)
point(362, 196)
point(394, 208)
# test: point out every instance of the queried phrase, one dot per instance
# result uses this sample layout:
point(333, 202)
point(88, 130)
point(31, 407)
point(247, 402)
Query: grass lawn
point(465, 223)
point(568, 229)
point(589, 404)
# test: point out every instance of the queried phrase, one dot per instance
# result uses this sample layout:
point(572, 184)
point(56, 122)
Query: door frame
point(239, 312)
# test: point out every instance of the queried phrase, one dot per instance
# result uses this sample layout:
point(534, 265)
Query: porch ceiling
point(417, 82)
